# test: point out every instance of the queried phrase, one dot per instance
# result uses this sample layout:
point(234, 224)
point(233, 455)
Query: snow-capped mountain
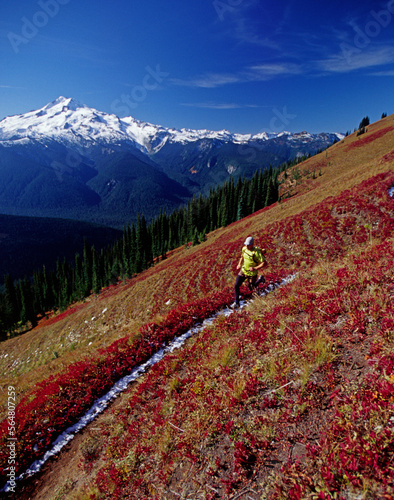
point(72, 123)
point(154, 137)
point(69, 160)
point(68, 122)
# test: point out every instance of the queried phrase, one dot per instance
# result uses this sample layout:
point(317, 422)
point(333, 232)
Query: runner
point(252, 259)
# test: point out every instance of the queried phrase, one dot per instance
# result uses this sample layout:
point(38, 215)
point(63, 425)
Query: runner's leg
point(238, 282)
point(252, 282)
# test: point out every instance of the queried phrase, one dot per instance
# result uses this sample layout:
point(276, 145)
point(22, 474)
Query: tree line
point(142, 244)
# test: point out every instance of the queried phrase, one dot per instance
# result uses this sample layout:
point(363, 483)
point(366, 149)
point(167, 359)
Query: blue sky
point(243, 65)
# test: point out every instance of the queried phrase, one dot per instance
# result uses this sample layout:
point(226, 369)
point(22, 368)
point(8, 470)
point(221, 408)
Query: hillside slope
point(300, 373)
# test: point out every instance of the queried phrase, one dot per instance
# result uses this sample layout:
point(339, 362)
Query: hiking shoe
point(260, 280)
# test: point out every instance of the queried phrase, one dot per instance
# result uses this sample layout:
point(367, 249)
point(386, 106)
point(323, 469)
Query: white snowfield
point(67, 121)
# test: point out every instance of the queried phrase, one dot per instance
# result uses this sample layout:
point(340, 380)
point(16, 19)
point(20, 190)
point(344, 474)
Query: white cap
point(249, 241)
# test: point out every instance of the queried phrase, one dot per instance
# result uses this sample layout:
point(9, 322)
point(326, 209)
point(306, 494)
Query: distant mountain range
point(69, 160)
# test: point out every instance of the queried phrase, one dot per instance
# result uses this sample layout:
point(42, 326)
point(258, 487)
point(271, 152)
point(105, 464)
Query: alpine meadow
point(289, 397)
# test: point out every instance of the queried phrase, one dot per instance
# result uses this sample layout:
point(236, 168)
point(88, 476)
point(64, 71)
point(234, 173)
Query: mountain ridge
point(61, 150)
point(137, 131)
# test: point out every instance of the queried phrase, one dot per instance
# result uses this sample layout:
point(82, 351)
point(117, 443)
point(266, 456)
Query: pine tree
point(364, 123)
point(87, 268)
point(3, 323)
point(143, 245)
point(96, 272)
point(39, 292)
point(62, 280)
point(213, 211)
point(133, 250)
point(224, 217)
point(27, 298)
point(232, 205)
point(272, 193)
point(11, 303)
point(195, 240)
point(47, 290)
point(126, 246)
point(79, 279)
point(242, 210)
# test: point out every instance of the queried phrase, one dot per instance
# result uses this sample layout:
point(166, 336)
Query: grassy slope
point(193, 273)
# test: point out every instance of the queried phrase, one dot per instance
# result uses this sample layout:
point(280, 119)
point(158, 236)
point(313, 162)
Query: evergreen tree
point(230, 204)
point(213, 211)
point(3, 323)
point(97, 275)
point(195, 239)
point(87, 268)
point(27, 298)
point(223, 210)
point(364, 123)
point(142, 241)
point(260, 193)
point(272, 193)
point(62, 279)
point(11, 307)
point(79, 279)
point(133, 250)
point(39, 292)
point(47, 290)
point(126, 248)
point(242, 209)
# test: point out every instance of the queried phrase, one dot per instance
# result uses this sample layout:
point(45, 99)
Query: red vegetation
point(355, 446)
point(322, 233)
point(389, 157)
point(54, 318)
point(59, 401)
point(369, 138)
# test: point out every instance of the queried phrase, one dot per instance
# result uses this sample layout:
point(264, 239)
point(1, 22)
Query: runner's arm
point(261, 264)
point(256, 268)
